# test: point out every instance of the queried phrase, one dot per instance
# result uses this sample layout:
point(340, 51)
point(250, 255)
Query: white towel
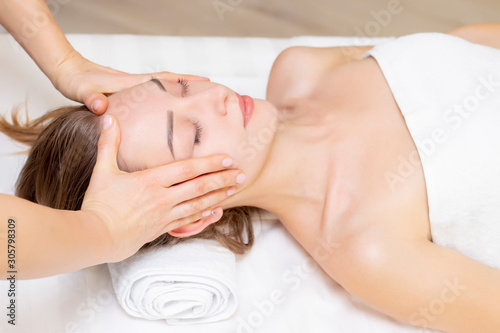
point(448, 90)
point(187, 283)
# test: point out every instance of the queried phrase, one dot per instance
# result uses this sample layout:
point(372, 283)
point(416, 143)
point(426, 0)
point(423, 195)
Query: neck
point(300, 167)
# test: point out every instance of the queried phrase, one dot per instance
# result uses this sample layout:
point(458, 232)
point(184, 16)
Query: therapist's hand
point(135, 208)
point(84, 81)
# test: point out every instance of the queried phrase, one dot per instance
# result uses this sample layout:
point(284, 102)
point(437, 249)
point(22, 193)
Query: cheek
point(217, 145)
point(253, 152)
point(221, 141)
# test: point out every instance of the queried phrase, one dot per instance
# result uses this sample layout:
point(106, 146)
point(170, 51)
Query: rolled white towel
point(187, 283)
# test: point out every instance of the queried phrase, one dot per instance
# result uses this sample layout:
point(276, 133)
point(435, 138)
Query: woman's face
point(162, 122)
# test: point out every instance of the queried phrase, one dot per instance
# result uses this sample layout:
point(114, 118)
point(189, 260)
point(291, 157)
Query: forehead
point(141, 112)
point(136, 103)
point(136, 95)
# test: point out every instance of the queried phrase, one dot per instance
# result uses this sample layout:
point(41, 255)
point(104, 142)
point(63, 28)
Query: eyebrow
point(170, 131)
point(158, 83)
point(170, 120)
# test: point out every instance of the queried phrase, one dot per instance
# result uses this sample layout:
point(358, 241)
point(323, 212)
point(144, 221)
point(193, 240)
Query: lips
point(246, 107)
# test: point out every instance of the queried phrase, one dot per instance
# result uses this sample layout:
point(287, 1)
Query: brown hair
point(61, 160)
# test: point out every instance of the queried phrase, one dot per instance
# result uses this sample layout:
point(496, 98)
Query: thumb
point(107, 146)
point(96, 102)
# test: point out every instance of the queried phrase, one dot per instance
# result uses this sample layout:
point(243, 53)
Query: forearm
point(33, 26)
point(482, 33)
point(428, 285)
point(48, 241)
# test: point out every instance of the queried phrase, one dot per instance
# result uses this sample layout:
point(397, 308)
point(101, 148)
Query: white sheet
point(278, 290)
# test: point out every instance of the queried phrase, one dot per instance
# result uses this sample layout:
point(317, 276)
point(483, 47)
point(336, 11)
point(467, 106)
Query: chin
point(253, 150)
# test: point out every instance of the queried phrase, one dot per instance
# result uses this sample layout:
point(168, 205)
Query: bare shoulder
point(297, 70)
point(369, 233)
point(483, 33)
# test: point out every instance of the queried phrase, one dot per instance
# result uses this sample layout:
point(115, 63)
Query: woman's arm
point(33, 26)
point(43, 241)
point(483, 33)
point(424, 284)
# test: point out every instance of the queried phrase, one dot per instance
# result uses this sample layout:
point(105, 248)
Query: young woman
point(339, 153)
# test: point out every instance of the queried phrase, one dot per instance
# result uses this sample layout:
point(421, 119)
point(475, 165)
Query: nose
point(212, 99)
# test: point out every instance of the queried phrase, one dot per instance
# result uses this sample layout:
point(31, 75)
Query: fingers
point(107, 146)
point(178, 172)
point(208, 183)
point(200, 204)
point(96, 102)
point(214, 216)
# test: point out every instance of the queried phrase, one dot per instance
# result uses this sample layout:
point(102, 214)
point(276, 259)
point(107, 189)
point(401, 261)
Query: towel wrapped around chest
point(448, 90)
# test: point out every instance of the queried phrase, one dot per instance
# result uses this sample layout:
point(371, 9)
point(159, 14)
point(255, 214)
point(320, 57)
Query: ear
point(192, 228)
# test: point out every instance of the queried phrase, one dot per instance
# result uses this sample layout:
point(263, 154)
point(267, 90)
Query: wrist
point(68, 62)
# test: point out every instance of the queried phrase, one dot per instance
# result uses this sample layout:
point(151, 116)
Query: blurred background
point(270, 18)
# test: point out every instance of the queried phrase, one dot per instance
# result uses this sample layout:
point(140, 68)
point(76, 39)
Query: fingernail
point(96, 104)
point(231, 191)
point(107, 122)
point(227, 162)
point(240, 178)
point(206, 213)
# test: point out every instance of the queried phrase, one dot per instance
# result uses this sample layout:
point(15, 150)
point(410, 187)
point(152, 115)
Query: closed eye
point(198, 132)
point(185, 86)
